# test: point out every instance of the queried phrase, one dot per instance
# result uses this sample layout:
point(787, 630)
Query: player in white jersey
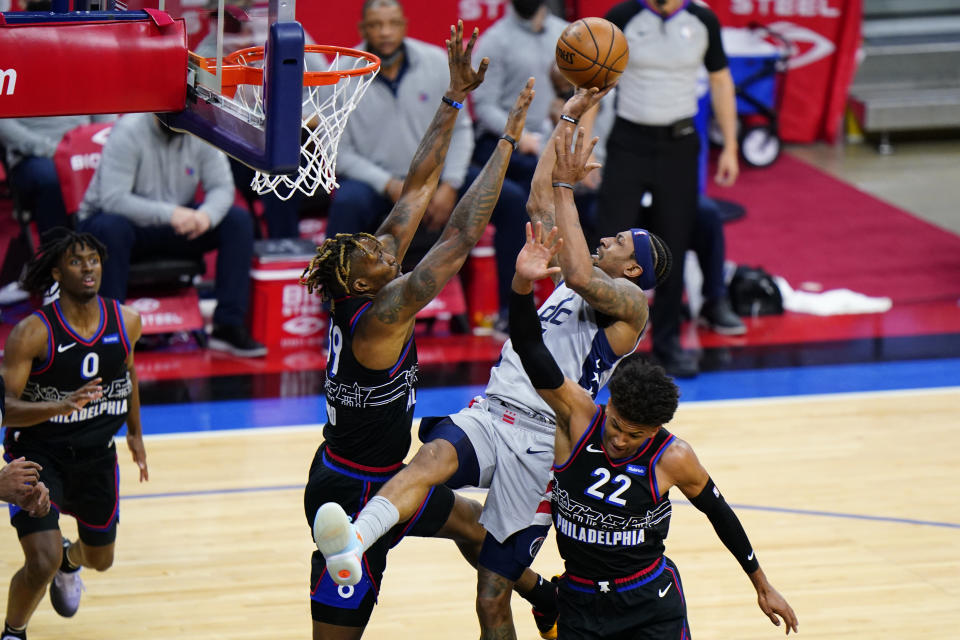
point(504, 440)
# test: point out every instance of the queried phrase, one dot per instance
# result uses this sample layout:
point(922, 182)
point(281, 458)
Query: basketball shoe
point(546, 619)
point(66, 588)
point(339, 542)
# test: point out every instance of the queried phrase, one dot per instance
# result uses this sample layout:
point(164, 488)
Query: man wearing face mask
point(519, 45)
point(383, 135)
point(142, 201)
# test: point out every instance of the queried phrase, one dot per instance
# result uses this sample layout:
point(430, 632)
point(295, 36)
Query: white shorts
point(515, 457)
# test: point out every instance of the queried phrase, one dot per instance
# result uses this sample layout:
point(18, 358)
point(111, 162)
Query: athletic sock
point(375, 519)
point(65, 565)
point(543, 596)
point(14, 632)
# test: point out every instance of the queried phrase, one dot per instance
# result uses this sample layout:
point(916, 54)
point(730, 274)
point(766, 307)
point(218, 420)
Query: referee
point(653, 146)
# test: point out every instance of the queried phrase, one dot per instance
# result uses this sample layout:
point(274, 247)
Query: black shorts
point(336, 480)
point(647, 605)
point(83, 483)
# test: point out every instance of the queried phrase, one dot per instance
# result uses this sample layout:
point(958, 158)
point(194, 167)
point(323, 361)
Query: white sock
point(375, 519)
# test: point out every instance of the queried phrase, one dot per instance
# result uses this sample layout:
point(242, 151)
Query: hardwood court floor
point(852, 502)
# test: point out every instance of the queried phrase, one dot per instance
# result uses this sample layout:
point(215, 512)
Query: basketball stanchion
point(329, 97)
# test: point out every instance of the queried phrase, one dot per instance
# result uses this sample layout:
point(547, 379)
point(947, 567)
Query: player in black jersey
point(372, 365)
point(613, 469)
point(71, 385)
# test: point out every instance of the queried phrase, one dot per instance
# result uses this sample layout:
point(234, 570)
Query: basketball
point(592, 52)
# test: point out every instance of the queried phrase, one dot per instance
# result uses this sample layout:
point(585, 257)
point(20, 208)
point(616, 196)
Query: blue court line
point(720, 385)
point(745, 507)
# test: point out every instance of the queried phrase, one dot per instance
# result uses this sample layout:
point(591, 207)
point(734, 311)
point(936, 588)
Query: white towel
point(830, 303)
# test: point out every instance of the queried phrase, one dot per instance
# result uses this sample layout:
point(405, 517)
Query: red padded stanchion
point(56, 69)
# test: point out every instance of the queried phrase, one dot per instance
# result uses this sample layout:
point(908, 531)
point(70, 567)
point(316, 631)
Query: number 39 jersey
point(72, 362)
point(369, 412)
point(609, 515)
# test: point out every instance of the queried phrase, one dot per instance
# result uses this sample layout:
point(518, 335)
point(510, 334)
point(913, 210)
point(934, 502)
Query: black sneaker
point(718, 316)
point(546, 621)
point(235, 339)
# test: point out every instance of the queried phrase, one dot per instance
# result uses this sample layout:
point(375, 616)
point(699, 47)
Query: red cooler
point(282, 314)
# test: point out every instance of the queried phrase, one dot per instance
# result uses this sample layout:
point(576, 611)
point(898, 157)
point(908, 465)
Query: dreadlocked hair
point(38, 276)
point(662, 258)
point(329, 270)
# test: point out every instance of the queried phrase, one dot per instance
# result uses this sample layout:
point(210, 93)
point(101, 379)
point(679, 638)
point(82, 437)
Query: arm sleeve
point(727, 526)
point(491, 117)
point(527, 339)
point(18, 138)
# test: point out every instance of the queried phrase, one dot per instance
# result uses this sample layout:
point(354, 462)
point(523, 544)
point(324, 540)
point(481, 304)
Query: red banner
point(77, 158)
point(824, 37)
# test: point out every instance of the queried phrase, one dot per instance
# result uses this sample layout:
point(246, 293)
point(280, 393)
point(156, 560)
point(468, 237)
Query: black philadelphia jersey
point(369, 412)
point(72, 362)
point(609, 515)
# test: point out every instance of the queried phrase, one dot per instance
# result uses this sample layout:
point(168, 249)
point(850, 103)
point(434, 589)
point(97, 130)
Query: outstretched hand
point(518, 114)
point(534, 258)
point(463, 77)
point(572, 166)
point(583, 99)
point(81, 397)
point(774, 604)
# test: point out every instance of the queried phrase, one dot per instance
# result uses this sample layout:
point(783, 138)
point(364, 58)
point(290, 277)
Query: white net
point(325, 111)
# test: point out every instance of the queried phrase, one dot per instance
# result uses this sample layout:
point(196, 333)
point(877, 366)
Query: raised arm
point(397, 230)
point(400, 300)
point(571, 403)
point(616, 297)
point(683, 469)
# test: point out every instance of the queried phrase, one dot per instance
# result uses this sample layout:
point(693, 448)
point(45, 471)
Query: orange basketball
point(592, 52)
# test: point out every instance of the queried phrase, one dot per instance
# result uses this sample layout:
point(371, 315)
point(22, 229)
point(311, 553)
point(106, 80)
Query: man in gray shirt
point(382, 136)
point(521, 44)
point(30, 144)
point(142, 201)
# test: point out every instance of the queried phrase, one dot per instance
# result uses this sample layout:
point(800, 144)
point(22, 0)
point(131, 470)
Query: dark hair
point(662, 258)
point(642, 391)
point(38, 277)
point(329, 270)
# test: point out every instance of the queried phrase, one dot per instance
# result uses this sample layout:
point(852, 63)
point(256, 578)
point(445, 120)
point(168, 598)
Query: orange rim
point(237, 71)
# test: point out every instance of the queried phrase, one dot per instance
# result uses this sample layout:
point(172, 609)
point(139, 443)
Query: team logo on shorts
point(535, 546)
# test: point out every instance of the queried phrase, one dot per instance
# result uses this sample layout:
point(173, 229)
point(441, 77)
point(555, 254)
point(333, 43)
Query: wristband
point(511, 140)
point(565, 185)
point(564, 116)
point(453, 103)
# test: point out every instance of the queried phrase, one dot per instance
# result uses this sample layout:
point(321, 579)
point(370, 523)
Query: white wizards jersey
point(577, 343)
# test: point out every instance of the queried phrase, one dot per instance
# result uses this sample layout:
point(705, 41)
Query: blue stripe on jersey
point(123, 328)
point(600, 360)
point(356, 316)
point(403, 357)
point(76, 336)
point(597, 416)
point(654, 489)
point(46, 363)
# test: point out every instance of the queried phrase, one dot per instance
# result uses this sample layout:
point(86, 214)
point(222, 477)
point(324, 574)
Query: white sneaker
point(65, 593)
point(339, 542)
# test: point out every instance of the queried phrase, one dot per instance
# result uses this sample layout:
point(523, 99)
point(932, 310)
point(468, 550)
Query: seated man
point(384, 132)
point(141, 202)
point(30, 144)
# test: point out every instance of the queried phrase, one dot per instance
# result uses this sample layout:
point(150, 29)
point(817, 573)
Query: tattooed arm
point(614, 296)
point(397, 230)
point(390, 319)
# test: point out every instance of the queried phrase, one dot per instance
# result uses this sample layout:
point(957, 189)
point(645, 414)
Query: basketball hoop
point(329, 97)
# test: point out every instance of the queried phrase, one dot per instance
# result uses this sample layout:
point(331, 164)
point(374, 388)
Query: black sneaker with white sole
point(235, 339)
